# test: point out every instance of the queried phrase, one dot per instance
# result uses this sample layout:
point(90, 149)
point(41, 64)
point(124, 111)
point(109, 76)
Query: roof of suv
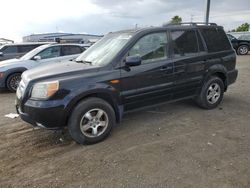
point(171, 26)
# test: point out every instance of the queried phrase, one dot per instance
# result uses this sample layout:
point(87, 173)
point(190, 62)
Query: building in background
point(64, 37)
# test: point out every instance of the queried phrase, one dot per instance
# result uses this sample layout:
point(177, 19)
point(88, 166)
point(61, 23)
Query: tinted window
point(216, 39)
point(184, 42)
point(10, 50)
point(70, 50)
point(151, 47)
point(50, 52)
point(26, 48)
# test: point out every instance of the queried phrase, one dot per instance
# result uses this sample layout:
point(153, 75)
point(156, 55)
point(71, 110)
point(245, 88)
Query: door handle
point(164, 68)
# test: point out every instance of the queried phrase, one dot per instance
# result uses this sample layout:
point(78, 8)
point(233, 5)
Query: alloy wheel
point(14, 82)
point(213, 93)
point(94, 123)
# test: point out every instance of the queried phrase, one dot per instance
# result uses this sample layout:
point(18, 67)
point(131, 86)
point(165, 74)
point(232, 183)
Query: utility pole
point(207, 12)
point(191, 18)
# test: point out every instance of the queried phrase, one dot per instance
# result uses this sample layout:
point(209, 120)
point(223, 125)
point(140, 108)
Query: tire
point(243, 50)
point(210, 97)
point(91, 121)
point(13, 81)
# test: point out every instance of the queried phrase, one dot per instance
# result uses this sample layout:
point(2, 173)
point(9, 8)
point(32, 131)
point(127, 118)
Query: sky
point(25, 17)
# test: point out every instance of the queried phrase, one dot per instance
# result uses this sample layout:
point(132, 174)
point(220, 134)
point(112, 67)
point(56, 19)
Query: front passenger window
point(50, 52)
point(151, 47)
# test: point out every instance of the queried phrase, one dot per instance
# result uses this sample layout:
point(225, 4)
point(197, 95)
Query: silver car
point(10, 51)
point(11, 70)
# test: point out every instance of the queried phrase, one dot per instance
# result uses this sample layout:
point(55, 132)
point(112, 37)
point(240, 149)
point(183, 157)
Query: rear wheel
point(243, 50)
point(211, 93)
point(13, 81)
point(91, 121)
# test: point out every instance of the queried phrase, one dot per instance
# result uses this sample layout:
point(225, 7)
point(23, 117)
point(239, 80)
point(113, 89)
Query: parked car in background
point(10, 51)
point(244, 37)
point(11, 70)
point(127, 70)
point(241, 46)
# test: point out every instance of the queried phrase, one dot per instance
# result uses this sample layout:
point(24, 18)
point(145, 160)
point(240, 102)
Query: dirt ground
point(173, 145)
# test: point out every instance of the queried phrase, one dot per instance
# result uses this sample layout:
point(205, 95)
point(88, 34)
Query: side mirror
point(36, 58)
point(1, 54)
point(133, 60)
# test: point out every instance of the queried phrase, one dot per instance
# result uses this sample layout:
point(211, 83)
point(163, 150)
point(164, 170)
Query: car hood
point(12, 63)
point(9, 62)
point(56, 70)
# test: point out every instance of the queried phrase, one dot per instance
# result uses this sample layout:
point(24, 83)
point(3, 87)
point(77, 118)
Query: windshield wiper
point(81, 61)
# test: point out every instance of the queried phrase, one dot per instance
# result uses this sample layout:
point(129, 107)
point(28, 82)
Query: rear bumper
point(232, 76)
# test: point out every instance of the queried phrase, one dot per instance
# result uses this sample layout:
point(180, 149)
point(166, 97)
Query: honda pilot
point(127, 70)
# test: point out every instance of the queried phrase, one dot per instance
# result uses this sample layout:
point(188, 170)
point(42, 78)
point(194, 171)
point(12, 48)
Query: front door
point(152, 81)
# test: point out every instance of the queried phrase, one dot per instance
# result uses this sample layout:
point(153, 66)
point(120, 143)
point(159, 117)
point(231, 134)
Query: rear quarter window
point(216, 39)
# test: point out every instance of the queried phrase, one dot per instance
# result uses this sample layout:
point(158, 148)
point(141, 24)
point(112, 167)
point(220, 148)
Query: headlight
point(44, 90)
point(1, 74)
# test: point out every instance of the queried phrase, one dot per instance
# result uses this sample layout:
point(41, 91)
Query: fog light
point(1, 74)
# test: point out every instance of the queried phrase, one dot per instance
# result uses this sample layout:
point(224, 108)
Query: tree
point(176, 20)
point(243, 27)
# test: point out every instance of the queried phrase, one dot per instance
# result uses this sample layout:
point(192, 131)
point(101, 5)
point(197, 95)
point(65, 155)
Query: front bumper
point(2, 83)
point(45, 114)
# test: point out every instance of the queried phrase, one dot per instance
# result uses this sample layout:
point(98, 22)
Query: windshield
point(231, 37)
point(1, 46)
point(32, 53)
point(105, 50)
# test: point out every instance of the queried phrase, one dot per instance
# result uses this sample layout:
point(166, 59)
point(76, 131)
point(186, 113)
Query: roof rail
point(192, 23)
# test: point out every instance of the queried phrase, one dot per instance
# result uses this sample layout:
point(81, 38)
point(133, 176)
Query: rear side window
point(10, 50)
point(151, 47)
point(184, 42)
point(26, 48)
point(216, 39)
point(70, 50)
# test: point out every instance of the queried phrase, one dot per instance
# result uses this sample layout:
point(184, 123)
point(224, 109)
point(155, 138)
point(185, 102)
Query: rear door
point(150, 82)
point(189, 59)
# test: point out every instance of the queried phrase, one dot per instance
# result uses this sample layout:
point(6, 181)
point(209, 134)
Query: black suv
point(127, 70)
point(240, 45)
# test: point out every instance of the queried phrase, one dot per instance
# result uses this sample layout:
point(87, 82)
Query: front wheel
point(13, 81)
point(211, 93)
point(91, 121)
